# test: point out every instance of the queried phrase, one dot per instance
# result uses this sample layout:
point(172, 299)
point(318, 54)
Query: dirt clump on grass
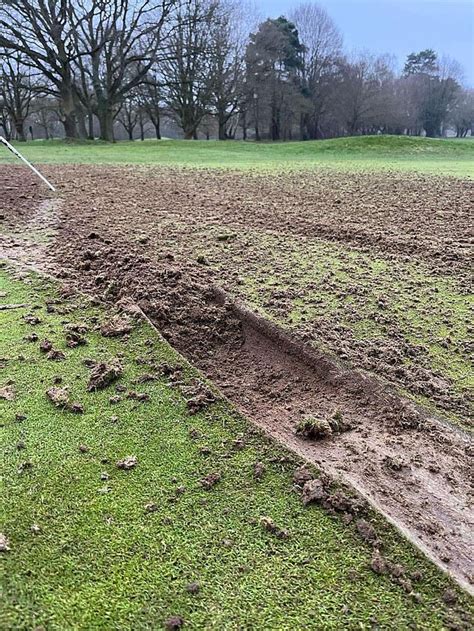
point(103, 374)
point(61, 399)
point(7, 393)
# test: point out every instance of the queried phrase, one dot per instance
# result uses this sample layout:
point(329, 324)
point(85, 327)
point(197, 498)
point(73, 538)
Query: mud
point(163, 217)
point(273, 379)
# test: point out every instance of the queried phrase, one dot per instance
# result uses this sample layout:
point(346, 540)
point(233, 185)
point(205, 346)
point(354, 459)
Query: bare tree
point(226, 50)
point(17, 90)
point(187, 71)
point(45, 115)
point(43, 33)
point(123, 40)
point(128, 116)
point(462, 114)
point(149, 95)
point(322, 44)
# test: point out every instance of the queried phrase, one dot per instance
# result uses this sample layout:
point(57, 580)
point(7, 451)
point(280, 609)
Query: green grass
point(401, 153)
point(100, 561)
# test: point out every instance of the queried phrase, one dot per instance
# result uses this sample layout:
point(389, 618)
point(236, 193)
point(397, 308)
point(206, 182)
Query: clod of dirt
point(198, 396)
point(83, 449)
point(225, 237)
point(238, 444)
point(138, 396)
point(104, 374)
point(202, 260)
point(268, 524)
point(45, 346)
point(35, 529)
point(378, 563)
point(193, 588)
point(396, 570)
point(31, 338)
point(32, 319)
point(449, 597)
point(174, 623)
point(146, 378)
point(210, 480)
point(4, 543)
point(313, 491)
point(127, 463)
point(60, 398)
point(394, 463)
point(339, 424)
point(74, 339)
point(344, 503)
point(366, 531)
point(258, 470)
point(302, 475)
point(26, 465)
point(77, 327)
point(55, 355)
point(7, 393)
point(313, 428)
point(151, 507)
point(116, 327)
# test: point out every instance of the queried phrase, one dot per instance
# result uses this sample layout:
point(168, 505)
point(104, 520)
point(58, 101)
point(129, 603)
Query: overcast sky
point(399, 26)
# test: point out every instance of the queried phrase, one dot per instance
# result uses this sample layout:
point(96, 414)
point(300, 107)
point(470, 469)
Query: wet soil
point(225, 226)
point(413, 468)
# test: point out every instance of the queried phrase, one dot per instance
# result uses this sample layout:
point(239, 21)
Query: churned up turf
point(133, 497)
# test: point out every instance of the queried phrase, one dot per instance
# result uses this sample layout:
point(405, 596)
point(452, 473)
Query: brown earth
point(124, 236)
point(222, 219)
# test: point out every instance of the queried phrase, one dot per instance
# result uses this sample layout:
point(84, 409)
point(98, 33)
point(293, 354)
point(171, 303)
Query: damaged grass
point(409, 324)
point(145, 511)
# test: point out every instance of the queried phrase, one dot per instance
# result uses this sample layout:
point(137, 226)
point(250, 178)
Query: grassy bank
point(93, 546)
point(443, 156)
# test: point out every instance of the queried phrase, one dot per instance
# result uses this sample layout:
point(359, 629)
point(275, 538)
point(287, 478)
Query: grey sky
point(399, 26)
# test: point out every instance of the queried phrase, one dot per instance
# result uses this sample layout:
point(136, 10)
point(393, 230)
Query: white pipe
point(18, 155)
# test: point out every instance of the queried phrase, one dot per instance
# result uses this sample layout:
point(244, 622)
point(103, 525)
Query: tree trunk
point(90, 122)
point(106, 123)
point(222, 126)
point(20, 130)
point(70, 128)
point(68, 109)
point(244, 125)
point(157, 129)
point(81, 123)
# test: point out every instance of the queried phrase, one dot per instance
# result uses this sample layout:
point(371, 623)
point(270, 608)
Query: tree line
point(213, 69)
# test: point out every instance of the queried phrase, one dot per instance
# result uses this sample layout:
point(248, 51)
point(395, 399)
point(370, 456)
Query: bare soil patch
point(124, 236)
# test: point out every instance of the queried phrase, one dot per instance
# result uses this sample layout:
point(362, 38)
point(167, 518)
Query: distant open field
point(401, 153)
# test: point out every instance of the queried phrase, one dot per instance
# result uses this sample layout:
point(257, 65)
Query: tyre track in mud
point(413, 469)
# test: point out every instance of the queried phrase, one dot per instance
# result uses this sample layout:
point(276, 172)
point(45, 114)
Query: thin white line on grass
point(18, 155)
